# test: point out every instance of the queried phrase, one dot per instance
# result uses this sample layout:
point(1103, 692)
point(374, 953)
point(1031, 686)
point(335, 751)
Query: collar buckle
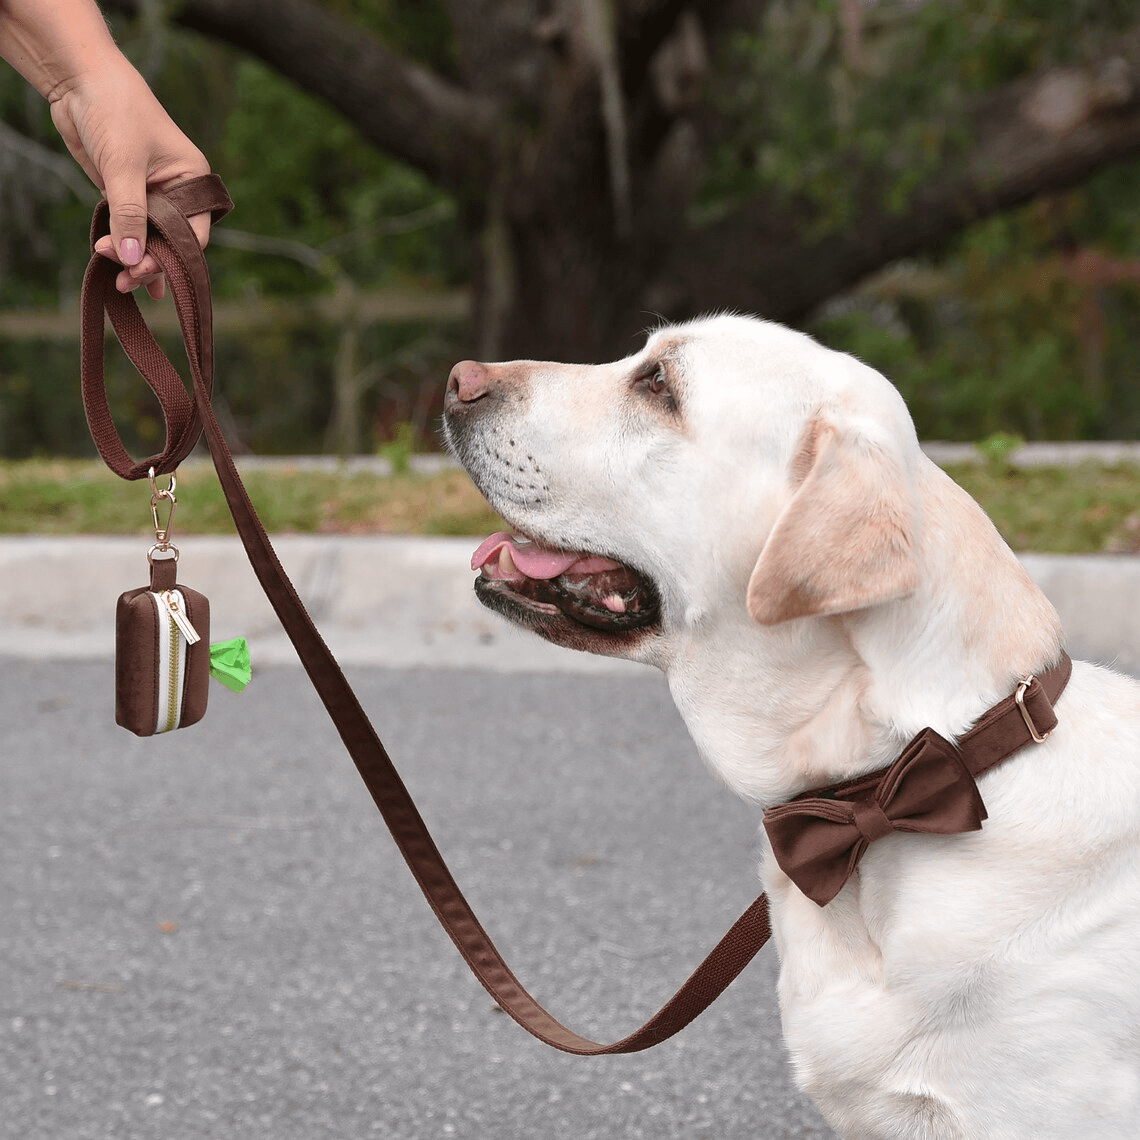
point(1019, 698)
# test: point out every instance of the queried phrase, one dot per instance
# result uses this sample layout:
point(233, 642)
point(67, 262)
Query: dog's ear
point(844, 541)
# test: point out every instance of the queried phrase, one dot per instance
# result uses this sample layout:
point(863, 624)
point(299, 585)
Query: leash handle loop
point(175, 247)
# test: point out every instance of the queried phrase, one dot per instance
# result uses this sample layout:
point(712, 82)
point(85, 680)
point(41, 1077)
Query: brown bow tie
point(819, 837)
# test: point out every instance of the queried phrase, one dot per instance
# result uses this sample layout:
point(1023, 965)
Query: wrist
point(54, 45)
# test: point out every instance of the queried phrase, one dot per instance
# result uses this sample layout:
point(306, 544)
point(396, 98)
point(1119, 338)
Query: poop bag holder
point(162, 652)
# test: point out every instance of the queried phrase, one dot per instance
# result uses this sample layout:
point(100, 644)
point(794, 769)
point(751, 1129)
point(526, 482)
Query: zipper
point(175, 634)
point(172, 677)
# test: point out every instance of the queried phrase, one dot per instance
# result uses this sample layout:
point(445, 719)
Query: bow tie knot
point(870, 820)
point(818, 840)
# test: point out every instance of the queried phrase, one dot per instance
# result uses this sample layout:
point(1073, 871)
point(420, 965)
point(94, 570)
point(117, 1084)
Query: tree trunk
point(583, 208)
point(559, 279)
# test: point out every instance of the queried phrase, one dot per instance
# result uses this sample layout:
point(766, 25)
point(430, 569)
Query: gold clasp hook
point(160, 494)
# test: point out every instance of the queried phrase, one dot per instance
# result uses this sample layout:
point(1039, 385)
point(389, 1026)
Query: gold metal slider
point(180, 619)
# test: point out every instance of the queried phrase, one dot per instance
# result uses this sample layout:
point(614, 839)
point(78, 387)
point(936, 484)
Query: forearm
point(54, 44)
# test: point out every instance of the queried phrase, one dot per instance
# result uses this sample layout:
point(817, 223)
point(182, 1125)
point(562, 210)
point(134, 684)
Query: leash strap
point(176, 249)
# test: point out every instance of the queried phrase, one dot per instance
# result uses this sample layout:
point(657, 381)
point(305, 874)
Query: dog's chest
point(941, 1020)
point(871, 1042)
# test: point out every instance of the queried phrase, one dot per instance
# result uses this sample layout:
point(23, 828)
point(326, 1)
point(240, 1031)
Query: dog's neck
point(814, 701)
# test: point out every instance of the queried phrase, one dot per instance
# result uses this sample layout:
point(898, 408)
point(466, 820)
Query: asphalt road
point(211, 935)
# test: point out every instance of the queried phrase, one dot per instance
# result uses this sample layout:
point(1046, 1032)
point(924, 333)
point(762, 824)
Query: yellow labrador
point(752, 513)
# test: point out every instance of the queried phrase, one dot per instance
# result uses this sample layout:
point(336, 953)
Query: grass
point(1087, 508)
point(83, 497)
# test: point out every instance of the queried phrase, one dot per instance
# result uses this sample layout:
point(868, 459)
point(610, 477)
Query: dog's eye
point(655, 382)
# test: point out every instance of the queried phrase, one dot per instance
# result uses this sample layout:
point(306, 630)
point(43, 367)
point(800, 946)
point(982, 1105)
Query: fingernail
point(130, 252)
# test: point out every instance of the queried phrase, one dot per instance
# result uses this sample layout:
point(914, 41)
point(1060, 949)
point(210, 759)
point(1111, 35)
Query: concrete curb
point(406, 602)
point(1064, 454)
point(396, 601)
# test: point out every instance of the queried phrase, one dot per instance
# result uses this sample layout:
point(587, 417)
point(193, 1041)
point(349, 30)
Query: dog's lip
point(590, 589)
point(512, 556)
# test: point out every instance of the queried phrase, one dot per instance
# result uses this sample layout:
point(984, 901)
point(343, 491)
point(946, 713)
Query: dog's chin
point(558, 627)
point(595, 604)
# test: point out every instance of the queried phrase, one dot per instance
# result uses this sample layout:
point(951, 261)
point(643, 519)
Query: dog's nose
point(468, 382)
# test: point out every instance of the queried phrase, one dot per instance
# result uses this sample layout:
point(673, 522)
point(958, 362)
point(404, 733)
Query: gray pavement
point(210, 934)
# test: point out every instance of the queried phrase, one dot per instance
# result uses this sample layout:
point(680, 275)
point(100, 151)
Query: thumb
point(127, 200)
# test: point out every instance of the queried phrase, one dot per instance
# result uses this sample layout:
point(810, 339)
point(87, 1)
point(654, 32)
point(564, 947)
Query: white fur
point(975, 987)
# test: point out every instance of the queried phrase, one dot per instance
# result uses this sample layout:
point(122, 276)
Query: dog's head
point(732, 463)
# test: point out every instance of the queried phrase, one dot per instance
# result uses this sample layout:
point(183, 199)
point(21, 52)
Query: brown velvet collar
point(819, 836)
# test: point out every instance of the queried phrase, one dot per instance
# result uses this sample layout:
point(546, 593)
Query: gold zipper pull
point(170, 603)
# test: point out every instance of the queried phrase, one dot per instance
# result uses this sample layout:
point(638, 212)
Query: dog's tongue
point(533, 560)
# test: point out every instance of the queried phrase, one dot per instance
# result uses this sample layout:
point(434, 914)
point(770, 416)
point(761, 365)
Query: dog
point(752, 513)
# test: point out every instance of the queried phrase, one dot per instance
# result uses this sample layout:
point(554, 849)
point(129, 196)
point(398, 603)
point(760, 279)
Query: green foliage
point(398, 451)
point(43, 238)
point(997, 449)
point(1026, 324)
point(1015, 327)
point(40, 408)
point(806, 102)
point(300, 171)
point(419, 29)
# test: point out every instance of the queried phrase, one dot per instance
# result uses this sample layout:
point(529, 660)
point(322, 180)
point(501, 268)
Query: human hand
point(125, 141)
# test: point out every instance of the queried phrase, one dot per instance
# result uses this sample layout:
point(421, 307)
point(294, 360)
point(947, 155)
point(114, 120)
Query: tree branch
point(1038, 135)
point(644, 25)
point(601, 40)
point(59, 166)
point(399, 106)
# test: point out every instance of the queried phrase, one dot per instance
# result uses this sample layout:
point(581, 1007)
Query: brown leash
point(818, 838)
point(175, 247)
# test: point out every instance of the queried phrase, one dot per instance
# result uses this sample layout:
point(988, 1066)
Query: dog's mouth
point(538, 585)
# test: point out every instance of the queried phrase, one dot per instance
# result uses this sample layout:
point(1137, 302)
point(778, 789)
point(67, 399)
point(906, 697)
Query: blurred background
point(948, 188)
